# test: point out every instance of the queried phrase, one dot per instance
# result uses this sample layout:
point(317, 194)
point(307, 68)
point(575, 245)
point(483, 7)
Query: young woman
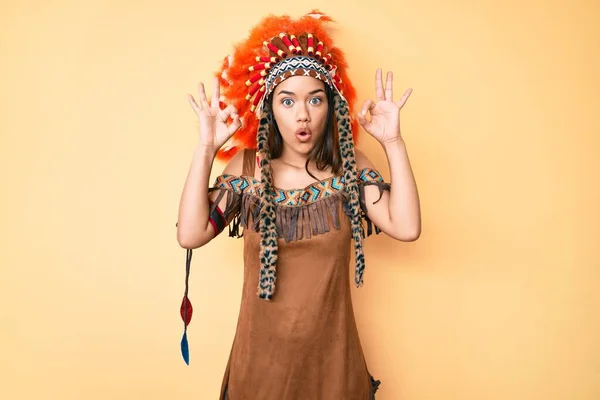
point(302, 194)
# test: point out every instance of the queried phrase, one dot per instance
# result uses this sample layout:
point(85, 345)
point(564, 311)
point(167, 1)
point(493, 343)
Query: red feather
point(186, 310)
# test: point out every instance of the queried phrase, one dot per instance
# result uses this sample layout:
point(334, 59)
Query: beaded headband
point(274, 72)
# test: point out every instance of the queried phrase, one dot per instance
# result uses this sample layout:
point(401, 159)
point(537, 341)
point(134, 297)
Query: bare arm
point(193, 227)
point(398, 213)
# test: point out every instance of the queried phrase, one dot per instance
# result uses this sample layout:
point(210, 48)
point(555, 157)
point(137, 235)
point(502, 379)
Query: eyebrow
point(293, 94)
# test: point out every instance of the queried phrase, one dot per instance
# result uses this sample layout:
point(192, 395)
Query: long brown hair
point(325, 151)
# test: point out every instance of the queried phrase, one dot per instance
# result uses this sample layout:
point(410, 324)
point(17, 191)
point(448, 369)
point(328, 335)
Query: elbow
point(188, 240)
point(411, 237)
point(408, 235)
point(187, 243)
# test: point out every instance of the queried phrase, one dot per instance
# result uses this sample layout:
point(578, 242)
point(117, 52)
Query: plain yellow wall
point(497, 300)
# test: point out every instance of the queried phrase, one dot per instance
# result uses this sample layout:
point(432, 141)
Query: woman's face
point(300, 109)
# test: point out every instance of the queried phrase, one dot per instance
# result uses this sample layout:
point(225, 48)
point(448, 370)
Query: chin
point(303, 148)
point(299, 148)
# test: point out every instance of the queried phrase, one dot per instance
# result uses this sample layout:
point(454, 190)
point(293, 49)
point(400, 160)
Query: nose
point(302, 114)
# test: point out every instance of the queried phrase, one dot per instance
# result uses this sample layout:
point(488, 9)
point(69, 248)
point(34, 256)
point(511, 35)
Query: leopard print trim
point(351, 178)
point(268, 229)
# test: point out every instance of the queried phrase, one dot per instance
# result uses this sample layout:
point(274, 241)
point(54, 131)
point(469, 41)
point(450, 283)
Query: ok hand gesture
point(385, 113)
point(214, 129)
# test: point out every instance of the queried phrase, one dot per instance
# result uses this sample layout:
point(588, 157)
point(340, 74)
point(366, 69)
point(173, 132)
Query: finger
point(235, 124)
point(216, 94)
point(224, 114)
point(367, 106)
point(202, 96)
point(234, 111)
point(388, 86)
point(197, 109)
point(405, 97)
point(379, 93)
point(364, 122)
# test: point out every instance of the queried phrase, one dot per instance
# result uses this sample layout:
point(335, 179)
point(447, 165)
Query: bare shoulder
point(362, 161)
point(235, 165)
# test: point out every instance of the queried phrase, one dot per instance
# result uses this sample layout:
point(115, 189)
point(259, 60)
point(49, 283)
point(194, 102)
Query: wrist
point(393, 143)
point(206, 150)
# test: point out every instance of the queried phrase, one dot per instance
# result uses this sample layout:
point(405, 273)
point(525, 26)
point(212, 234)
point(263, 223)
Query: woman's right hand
point(214, 130)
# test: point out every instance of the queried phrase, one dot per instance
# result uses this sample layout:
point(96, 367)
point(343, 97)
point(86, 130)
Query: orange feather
point(234, 72)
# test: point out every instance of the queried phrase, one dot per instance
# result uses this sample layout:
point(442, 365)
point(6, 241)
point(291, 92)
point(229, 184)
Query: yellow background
point(497, 300)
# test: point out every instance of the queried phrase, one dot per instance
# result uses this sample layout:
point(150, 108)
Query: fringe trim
point(296, 222)
point(231, 211)
point(363, 205)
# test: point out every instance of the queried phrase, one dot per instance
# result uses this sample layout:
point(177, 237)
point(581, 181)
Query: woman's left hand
point(384, 124)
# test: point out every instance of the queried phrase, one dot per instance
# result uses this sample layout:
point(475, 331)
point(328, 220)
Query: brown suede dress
point(303, 344)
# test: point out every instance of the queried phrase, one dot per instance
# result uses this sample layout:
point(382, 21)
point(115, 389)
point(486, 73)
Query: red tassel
point(186, 310)
point(256, 77)
point(297, 44)
point(319, 49)
point(274, 49)
point(311, 45)
point(259, 67)
point(287, 42)
point(254, 88)
point(259, 96)
point(267, 59)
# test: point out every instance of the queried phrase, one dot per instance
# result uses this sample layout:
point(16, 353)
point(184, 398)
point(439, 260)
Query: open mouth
point(303, 135)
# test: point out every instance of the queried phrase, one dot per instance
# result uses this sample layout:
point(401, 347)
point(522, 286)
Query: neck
point(293, 159)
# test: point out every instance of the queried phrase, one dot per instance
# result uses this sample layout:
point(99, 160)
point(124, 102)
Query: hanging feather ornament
point(186, 310)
